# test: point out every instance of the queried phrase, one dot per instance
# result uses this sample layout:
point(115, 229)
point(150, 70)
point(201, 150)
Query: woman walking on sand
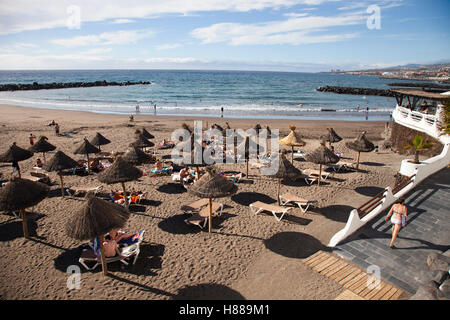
point(399, 214)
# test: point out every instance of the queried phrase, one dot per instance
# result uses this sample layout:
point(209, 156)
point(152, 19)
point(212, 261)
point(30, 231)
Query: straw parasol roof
point(15, 154)
point(292, 140)
point(147, 134)
point(94, 219)
point(99, 140)
point(137, 157)
point(142, 142)
point(59, 162)
point(321, 156)
point(331, 137)
point(286, 170)
point(361, 144)
point(86, 148)
point(212, 186)
point(19, 194)
point(120, 171)
point(42, 146)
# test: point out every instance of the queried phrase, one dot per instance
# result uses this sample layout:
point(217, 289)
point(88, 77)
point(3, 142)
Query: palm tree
point(418, 144)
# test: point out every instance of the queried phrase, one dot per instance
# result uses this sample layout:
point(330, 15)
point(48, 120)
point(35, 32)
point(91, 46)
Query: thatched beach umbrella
point(142, 142)
point(138, 157)
point(99, 140)
point(59, 162)
point(361, 144)
point(19, 194)
point(147, 134)
point(86, 148)
point(286, 170)
point(15, 154)
point(42, 146)
point(321, 156)
point(292, 140)
point(120, 171)
point(331, 137)
point(212, 186)
point(94, 219)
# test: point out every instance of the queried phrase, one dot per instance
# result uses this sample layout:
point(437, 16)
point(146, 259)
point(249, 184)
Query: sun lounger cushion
point(258, 207)
point(303, 204)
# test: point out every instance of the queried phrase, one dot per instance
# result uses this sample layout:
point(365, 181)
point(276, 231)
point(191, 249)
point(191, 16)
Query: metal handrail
point(367, 207)
point(371, 204)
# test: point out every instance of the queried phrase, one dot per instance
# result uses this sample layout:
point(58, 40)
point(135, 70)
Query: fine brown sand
point(246, 256)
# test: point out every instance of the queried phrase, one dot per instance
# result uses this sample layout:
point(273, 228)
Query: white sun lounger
point(343, 165)
point(303, 204)
point(315, 173)
point(88, 255)
point(195, 207)
point(78, 190)
point(201, 218)
point(259, 206)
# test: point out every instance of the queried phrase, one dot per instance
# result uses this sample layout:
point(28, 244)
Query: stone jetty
point(356, 91)
point(64, 85)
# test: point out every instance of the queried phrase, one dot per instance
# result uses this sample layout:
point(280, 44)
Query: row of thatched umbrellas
point(97, 217)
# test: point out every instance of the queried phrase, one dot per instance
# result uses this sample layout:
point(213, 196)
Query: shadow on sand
point(207, 291)
point(294, 245)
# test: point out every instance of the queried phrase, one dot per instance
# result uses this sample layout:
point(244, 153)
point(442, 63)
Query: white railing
point(417, 173)
point(429, 124)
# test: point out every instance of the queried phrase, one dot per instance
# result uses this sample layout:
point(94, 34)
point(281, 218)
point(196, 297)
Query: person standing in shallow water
point(399, 214)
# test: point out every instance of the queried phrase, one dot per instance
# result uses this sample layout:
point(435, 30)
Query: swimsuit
point(397, 221)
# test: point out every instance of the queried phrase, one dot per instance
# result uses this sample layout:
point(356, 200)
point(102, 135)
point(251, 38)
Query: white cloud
point(296, 30)
point(21, 15)
point(168, 46)
point(96, 51)
point(120, 37)
point(121, 21)
point(18, 46)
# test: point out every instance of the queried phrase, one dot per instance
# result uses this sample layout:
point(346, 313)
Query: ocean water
point(242, 94)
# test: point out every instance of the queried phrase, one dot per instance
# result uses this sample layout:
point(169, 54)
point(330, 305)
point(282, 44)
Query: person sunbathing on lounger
point(121, 237)
point(167, 144)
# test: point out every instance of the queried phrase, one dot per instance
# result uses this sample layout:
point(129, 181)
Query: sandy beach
point(246, 256)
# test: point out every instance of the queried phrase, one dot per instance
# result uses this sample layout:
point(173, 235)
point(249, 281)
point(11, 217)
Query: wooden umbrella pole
point(43, 154)
point(102, 254)
point(18, 170)
point(62, 183)
point(125, 195)
point(357, 162)
point(197, 175)
point(278, 193)
point(210, 215)
point(24, 223)
point(246, 163)
point(320, 173)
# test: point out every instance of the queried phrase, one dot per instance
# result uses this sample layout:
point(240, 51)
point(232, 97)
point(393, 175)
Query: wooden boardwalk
point(350, 277)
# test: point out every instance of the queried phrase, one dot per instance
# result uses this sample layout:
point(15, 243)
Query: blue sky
point(284, 35)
